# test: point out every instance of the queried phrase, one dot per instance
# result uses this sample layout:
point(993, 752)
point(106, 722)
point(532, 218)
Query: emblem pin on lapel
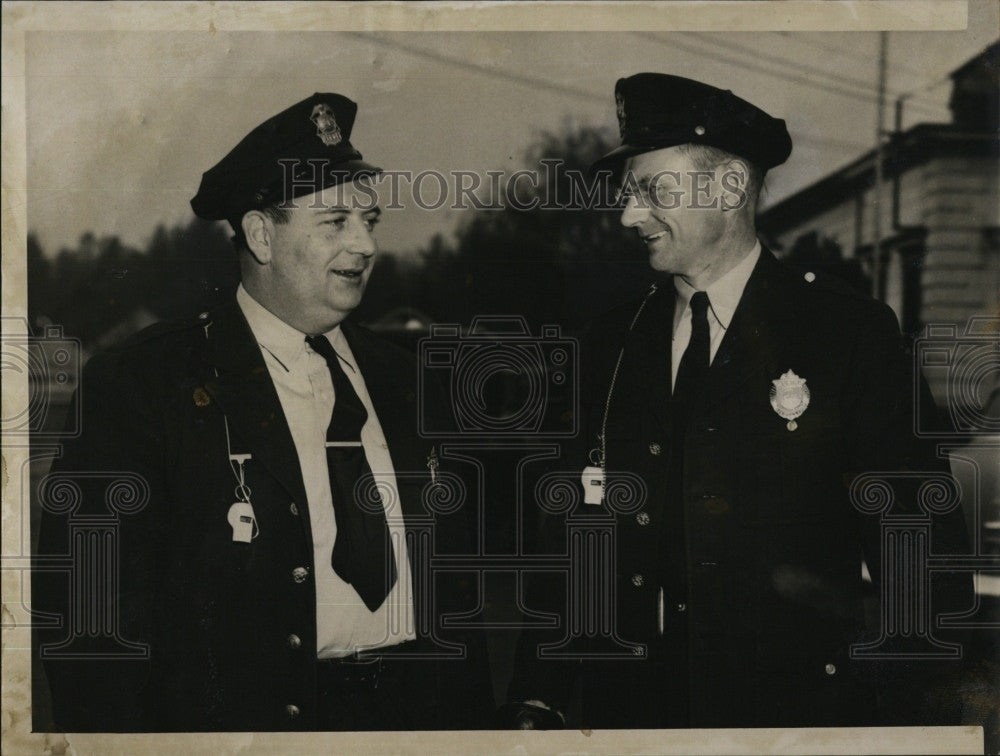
point(789, 397)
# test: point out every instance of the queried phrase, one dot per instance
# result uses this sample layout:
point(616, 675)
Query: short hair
point(279, 215)
point(705, 158)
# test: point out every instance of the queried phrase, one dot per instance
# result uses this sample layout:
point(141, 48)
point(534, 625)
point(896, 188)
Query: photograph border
point(20, 19)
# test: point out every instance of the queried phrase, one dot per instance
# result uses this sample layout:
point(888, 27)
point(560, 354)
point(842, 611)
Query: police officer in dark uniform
point(266, 485)
point(766, 413)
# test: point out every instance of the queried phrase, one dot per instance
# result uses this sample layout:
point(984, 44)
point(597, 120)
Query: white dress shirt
point(723, 297)
point(302, 379)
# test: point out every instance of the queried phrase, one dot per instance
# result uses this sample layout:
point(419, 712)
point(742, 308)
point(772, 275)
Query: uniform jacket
point(217, 618)
point(766, 596)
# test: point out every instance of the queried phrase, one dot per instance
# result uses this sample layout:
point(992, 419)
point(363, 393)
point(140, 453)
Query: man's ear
point(735, 182)
point(259, 234)
point(740, 172)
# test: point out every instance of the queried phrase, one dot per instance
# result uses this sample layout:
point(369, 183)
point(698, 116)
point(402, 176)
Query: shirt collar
point(723, 295)
point(285, 343)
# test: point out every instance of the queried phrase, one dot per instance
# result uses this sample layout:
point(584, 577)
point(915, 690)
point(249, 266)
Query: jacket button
point(293, 509)
point(831, 669)
point(638, 580)
point(655, 449)
point(294, 641)
point(642, 518)
point(299, 574)
point(682, 607)
point(292, 711)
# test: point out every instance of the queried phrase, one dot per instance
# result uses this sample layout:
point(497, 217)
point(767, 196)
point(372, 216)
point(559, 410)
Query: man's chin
point(660, 260)
point(344, 299)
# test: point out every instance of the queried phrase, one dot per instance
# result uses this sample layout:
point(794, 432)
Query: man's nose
point(361, 241)
point(635, 212)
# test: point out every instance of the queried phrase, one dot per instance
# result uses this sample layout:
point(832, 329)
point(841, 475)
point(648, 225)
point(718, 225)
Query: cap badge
point(326, 125)
point(789, 397)
point(620, 111)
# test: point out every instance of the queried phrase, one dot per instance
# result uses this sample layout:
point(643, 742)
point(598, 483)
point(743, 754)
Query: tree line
point(561, 266)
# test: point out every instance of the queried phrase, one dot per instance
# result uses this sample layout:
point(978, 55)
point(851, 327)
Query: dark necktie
point(362, 552)
point(693, 370)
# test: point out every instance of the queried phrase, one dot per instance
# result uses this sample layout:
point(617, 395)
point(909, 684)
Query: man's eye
point(338, 222)
point(370, 223)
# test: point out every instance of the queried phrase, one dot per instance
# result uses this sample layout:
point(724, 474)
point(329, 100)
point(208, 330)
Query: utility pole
point(878, 285)
point(896, 179)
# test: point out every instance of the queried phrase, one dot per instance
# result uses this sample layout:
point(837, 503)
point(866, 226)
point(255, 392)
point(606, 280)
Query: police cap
point(301, 150)
point(659, 110)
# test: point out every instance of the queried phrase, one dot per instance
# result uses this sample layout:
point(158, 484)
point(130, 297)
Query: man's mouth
point(351, 274)
point(653, 237)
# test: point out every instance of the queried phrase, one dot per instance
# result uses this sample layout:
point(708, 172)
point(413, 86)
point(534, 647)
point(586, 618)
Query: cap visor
point(614, 159)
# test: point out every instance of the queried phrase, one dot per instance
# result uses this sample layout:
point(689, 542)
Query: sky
point(121, 125)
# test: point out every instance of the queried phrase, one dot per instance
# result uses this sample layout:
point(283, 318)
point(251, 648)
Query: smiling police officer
point(748, 399)
point(268, 578)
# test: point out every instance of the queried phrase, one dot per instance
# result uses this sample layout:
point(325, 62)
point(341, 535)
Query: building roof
point(916, 146)
point(966, 137)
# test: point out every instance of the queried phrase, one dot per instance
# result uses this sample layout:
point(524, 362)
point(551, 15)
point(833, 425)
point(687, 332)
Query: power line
point(545, 84)
point(927, 87)
point(799, 79)
point(494, 72)
point(673, 43)
point(840, 51)
point(533, 82)
point(783, 61)
point(904, 100)
point(927, 104)
point(826, 142)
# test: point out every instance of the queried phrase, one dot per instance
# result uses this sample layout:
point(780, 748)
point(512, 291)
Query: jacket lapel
point(243, 389)
point(748, 346)
point(648, 354)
